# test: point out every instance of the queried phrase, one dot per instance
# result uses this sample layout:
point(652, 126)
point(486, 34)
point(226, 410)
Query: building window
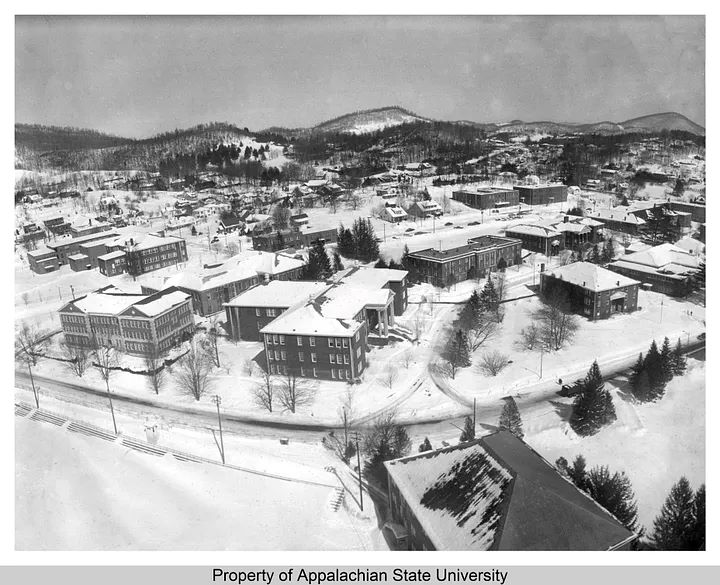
point(312, 342)
point(339, 358)
point(340, 374)
point(275, 340)
point(332, 358)
point(347, 374)
point(301, 356)
point(346, 359)
point(302, 371)
point(313, 358)
point(314, 373)
point(345, 342)
point(258, 313)
point(283, 355)
point(332, 373)
point(282, 340)
point(299, 340)
point(330, 341)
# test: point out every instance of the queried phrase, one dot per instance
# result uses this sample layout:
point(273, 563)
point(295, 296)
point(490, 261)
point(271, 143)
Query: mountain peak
point(365, 121)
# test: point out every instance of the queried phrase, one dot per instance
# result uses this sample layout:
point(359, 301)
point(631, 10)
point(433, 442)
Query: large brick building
point(153, 253)
point(132, 323)
point(375, 295)
point(592, 291)
point(66, 247)
point(494, 493)
point(479, 256)
point(541, 194)
point(487, 197)
point(295, 238)
point(212, 286)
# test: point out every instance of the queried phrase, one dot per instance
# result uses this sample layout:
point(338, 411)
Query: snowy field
point(654, 444)
point(81, 493)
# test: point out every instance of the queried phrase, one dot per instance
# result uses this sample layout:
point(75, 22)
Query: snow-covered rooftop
point(622, 214)
point(662, 255)
point(533, 230)
point(278, 293)
point(107, 302)
point(159, 304)
point(691, 245)
point(373, 277)
point(112, 255)
point(308, 319)
point(591, 276)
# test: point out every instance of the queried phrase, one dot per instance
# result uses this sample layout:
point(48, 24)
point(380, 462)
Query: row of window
point(337, 342)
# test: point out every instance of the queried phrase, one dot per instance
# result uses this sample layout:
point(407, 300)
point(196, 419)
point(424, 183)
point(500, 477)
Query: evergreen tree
point(365, 243)
point(642, 389)
point(679, 362)
point(406, 263)
point(510, 418)
point(345, 245)
point(675, 528)
point(697, 538)
point(470, 313)
point(425, 446)
point(489, 299)
point(609, 249)
point(594, 255)
point(577, 473)
point(653, 365)
point(468, 432)
point(318, 266)
point(666, 361)
point(393, 265)
point(615, 494)
point(502, 264)
point(457, 351)
point(381, 263)
point(593, 407)
point(337, 262)
point(635, 372)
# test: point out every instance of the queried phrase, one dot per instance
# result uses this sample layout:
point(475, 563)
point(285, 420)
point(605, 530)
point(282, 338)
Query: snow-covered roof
point(77, 257)
point(106, 302)
point(112, 255)
point(146, 241)
point(308, 319)
point(80, 239)
point(622, 214)
point(571, 226)
point(155, 305)
point(372, 277)
point(591, 276)
point(496, 493)
point(533, 230)
point(691, 245)
point(662, 255)
point(278, 293)
point(395, 211)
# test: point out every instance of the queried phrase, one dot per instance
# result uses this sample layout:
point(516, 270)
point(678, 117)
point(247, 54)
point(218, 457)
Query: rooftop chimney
point(566, 218)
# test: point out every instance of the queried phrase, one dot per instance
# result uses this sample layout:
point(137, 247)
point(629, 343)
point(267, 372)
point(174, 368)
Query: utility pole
point(35, 393)
point(662, 302)
point(357, 448)
point(542, 350)
point(112, 410)
point(217, 400)
point(474, 415)
point(72, 290)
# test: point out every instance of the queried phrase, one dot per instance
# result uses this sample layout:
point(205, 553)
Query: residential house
point(425, 208)
point(538, 238)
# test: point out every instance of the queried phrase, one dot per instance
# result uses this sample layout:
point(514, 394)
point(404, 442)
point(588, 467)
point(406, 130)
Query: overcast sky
point(136, 76)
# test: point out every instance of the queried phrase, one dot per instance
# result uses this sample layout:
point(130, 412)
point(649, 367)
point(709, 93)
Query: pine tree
point(425, 446)
point(679, 363)
point(577, 473)
point(468, 432)
point(615, 494)
point(697, 535)
point(609, 249)
point(345, 245)
point(510, 418)
point(381, 263)
point(654, 367)
point(470, 312)
point(666, 361)
point(366, 245)
point(406, 264)
point(642, 389)
point(635, 373)
point(489, 300)
point(593, 407)
point(457, 351)
point(318, 266)
point(675, 527)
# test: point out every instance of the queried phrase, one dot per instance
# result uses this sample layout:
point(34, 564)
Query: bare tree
point(264, 391)
point(78, 358)
point(26, 298)
point(155, 366)
point(407, 357)
point(355, 200)
point(341, 444)
point(249, 367)
point(493, 362)
point(389, 377)
point(30, 342)
point(211, 340)
point(193, 372)
point(280, 217)
point(483, 328)
point(531, 336)
point(557, 322)
point(294, 391)
point(106, 361)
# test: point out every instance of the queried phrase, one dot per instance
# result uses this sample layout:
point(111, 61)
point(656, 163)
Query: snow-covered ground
point(654, 444)
point(81, 493)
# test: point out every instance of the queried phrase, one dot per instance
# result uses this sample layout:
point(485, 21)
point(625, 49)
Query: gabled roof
point(496, 493)
point(662, 255)
point(278, 293)
point(533, 230)
point(308, 319)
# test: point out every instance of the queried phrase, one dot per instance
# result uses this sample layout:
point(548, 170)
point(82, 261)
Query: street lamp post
point(357, 449)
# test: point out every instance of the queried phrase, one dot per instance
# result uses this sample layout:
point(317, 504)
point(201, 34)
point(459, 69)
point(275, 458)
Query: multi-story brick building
point(541, 194)
point(153, 253)
point(479, 256)
point(487, 197)
point(112, 263)
point(43, 260)
point(305, 341)
point(131, 323)
point(494, 493)
point(77, 231)
point(592, 291)
point(212, 286)
point(538, 238)
point(373, 294)
point(65, 247)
